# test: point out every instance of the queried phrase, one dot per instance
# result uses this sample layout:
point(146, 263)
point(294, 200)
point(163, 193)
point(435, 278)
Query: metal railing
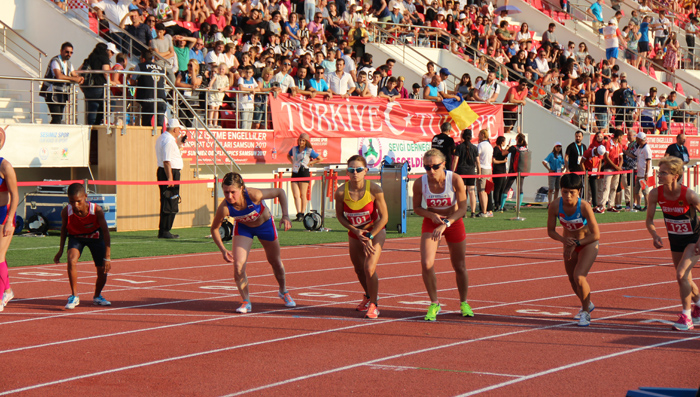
point(590, 119)
point(15, 44)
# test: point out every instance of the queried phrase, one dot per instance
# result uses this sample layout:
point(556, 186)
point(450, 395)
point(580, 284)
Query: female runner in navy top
point(252, 218)
point(440, 198)
point(9, 199)
point(580, 239)
point(680, 207)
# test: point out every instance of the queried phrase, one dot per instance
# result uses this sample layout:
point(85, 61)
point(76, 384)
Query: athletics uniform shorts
point(3, 215)
point(95, 244)
point(453, 234)
point(267, 231)
point(679, 243)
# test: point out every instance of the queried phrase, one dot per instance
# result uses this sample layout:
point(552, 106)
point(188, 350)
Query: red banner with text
point(251, 147)
point(659, 144)
point(356, 117)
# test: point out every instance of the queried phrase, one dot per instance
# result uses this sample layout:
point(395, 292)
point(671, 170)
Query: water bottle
point(274, 153)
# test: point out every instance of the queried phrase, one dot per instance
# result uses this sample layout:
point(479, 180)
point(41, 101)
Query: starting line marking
point(224, 287)
point(543, 313)
point(401, 368)
point(420, 303)
point(40, 274)
point(134, 282)
point(653, 320)
point(322, 295)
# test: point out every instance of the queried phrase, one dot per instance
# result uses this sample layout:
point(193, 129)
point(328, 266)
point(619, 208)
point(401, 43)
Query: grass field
point(26, 250)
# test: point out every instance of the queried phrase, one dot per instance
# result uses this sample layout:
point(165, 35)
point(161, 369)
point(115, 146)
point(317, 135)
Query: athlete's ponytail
point(233, 179)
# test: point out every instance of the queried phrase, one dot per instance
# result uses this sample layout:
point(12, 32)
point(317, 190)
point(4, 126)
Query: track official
point(169, 167)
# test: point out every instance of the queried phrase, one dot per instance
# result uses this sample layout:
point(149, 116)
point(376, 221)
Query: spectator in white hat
point(643, 154)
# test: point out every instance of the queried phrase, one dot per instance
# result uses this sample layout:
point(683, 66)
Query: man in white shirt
point(542, 64)
point(662, 28)
point(488, 90)
point(216, 57)
point(350, 66)
point(115, 11)
point(340, 82)
point(612, 36)
point(643, 154)
point(282, 77)
point(485, 159)
point(169, 167)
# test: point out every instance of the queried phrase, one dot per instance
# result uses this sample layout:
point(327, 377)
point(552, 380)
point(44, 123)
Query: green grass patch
point(25, 251)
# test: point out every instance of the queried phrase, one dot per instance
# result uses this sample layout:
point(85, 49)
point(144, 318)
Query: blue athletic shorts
point(611, 53)
point(97, 247)
point(3, 214)
point(267, 231)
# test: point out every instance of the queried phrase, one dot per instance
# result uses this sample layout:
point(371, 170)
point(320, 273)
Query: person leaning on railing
point(56, 94)
point(94, 85)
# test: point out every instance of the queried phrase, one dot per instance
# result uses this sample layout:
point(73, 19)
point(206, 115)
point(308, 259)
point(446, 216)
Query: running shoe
point(100, 301)
point(695, 314)
point(591, 307)
point(481, 215)
point(473, 215)
point(637, 208)
point(364, 305)
point(6, 297)
point(433, 311)
point(684, 323)
point(585, 319)
point(466, 309)
point(613, 209)
point(489, 214)
point(288, 301)
point(245, 307)
point(73, 301)
point(372, 311)
point(599, 210)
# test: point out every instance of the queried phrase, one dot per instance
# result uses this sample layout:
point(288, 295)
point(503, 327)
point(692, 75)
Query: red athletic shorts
point(453, 234)
point(354, 236)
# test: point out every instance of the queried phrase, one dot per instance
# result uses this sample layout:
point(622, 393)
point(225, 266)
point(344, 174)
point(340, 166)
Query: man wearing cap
point(612, 162)
point(678, 149)
point(613, 37)
point(169, 167)
point(444, 75)
point(444, 143)
point(643, 154)
point(138, 29)
point(685, 110)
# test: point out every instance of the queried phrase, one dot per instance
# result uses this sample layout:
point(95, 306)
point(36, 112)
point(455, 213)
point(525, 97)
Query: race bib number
point(247, 218)
point(358, 218)
point(678, 226)
point(439, 202)
point(573, 225)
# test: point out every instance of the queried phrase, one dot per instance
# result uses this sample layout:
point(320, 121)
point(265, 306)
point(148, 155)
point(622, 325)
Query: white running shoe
point(591, 307)
point(6, 297)
point(73, 301)
point(585, 319)
point(245, 307)
point(100, 301)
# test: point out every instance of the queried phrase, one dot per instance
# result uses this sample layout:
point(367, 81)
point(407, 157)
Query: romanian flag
point(461, 113)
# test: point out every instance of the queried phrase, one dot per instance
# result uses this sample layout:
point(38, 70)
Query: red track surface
point(172, 329)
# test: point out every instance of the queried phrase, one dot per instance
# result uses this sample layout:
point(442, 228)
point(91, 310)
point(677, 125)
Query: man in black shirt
point(139, 30)
point(303, 85)
point(602, 99)
point(145, 91)
point(678, 149)
point(573, 157)
point(444, 143)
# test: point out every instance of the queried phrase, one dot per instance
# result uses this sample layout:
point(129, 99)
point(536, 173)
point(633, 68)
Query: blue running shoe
point(100, 301)
point(73, 301)
point(245, 307)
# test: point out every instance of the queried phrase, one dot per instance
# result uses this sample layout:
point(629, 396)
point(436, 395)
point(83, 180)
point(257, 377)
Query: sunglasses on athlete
point(355, 170)
point(433, 167)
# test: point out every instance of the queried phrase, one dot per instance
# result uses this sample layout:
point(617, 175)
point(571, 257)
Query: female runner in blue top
point(580, 239)
point(252, 218)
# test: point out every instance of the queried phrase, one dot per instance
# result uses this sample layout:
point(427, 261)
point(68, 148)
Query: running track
point(172, 329)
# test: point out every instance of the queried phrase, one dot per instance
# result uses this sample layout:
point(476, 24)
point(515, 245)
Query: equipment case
point(51, 205)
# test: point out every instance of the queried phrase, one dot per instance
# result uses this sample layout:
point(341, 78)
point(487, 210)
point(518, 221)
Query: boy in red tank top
point(85, 225)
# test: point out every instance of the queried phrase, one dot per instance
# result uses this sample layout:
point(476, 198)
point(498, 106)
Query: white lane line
point(405, 368)
point(411, 353)
point(578, 364)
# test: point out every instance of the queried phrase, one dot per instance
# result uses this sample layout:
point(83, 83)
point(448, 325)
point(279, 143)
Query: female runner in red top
point(360, 207)
point(440, 198)
point(679, 206)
